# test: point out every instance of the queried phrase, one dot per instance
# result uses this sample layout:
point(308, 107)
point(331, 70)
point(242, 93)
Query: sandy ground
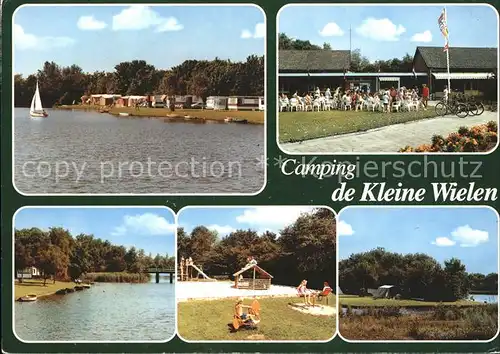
point(220, 290)
point(318, 310)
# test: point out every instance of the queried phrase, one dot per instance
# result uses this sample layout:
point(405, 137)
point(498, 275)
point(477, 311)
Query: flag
point(445, 49)
point(442, 22)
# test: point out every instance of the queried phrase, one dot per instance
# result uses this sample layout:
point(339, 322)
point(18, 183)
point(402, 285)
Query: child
point(238, 310)
point(385, 100)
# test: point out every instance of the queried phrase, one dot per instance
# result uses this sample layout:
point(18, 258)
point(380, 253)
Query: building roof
point(257, 268)
point(460, 57)
point(314, 60)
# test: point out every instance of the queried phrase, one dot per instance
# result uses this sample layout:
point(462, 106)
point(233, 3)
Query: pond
point(105, 312)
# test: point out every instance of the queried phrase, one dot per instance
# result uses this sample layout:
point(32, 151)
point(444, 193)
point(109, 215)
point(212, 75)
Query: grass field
point(444, 323)
point(298, 126)
point(210, 320)
point(32, 286)
point(356, 301)
point(254, 117)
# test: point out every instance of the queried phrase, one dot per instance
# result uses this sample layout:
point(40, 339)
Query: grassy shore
point(298, 126)
point(32, 286)
point(479, 323)
point(118, 277)
point(210, 320)
point(253, 117)
point(356, 301)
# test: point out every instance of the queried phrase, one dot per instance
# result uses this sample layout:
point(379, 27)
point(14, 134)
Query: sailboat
point(36, 109)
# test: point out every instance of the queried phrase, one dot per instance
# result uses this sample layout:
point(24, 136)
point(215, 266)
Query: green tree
point(455, 276)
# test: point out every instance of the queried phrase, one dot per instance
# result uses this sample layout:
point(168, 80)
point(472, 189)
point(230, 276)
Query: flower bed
point(480, 138)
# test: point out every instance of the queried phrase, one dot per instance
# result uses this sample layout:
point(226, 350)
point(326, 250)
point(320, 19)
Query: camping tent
point(384, 292)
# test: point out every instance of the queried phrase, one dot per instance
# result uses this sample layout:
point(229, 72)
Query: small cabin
point(252, 277)
point(28, 273)
point(240, 103)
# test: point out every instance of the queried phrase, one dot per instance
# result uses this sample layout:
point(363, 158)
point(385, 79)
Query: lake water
point(490, 299)
point(105, 312)
point(88, 152)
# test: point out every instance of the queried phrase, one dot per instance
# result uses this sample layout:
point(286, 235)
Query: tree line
point(414, 275)
point(306, 249)
point(57, 254)
point(67, 84)
point(359, 63)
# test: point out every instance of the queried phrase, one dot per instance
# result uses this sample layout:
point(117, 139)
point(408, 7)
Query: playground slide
point(201, 272)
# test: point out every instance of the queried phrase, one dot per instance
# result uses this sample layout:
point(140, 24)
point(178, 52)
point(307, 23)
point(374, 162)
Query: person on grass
point(309, 295)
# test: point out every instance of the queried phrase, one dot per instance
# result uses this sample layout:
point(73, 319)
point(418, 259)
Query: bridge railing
point(160, 270)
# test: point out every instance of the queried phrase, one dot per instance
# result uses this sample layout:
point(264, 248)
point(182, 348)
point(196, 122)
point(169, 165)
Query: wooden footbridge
point(158, 271)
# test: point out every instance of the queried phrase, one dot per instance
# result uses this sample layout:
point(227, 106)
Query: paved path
point(390, 138)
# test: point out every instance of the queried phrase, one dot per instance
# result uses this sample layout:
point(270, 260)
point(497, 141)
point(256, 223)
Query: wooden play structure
point(252, 320)
point(187, 268)
point(252, 277)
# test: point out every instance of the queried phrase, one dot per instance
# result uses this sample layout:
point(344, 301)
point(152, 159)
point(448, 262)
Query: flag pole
point(447, 50)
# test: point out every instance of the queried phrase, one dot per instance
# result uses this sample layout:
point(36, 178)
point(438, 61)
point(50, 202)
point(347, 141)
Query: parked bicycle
point(452, 106)
point(474, 108)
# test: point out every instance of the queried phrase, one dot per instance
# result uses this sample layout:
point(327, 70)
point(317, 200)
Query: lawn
point(255, 117)
point(210, 320)
point(298, 126)
point(31, 286)
point(356, 301)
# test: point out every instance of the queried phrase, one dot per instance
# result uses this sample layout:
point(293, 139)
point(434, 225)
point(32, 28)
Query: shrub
point(479, 138)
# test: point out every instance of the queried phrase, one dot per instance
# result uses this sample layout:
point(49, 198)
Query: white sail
point(36, 108)
point(36, 103)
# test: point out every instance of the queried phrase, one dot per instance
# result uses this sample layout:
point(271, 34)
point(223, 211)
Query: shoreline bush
point(118, 277)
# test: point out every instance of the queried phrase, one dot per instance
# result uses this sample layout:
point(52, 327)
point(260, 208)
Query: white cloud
point(221, 229)
point(424, 37)
point(344, 229)
point(331, 29)
point(170, 25)
point(147, 224)
point(380, 29)
point(469, 237)
point(465, 236)
point(24, 41)
point(271, 218)
point(89, 23)
point(245, 34)
point(138, 17)
point(259, 31)
point(443, 242)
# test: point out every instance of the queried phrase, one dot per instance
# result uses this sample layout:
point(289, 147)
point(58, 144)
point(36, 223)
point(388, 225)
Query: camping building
point(252, 277)
point(28, 273)
point(473, 71)
point(303, 70)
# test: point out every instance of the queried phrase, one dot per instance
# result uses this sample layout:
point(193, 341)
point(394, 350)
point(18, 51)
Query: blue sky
point(99, 37)
point(227, 220)
point(469, 234)
point(152, 229)
point(385, 32)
